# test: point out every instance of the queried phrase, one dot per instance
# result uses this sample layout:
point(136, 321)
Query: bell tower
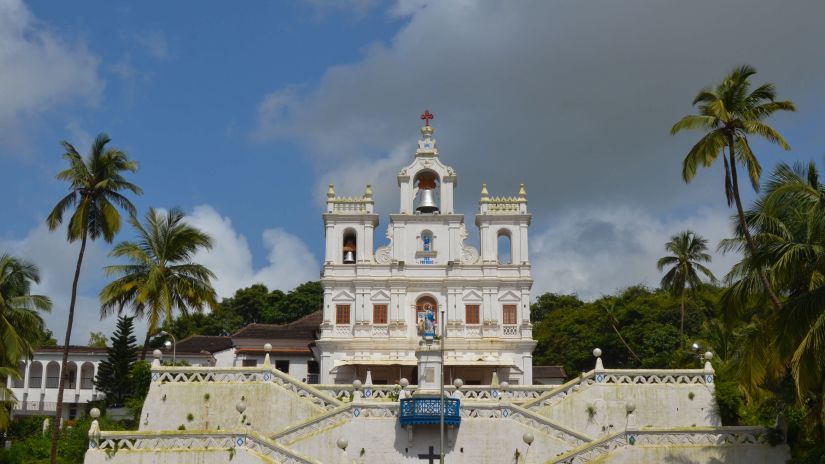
point(427, 185)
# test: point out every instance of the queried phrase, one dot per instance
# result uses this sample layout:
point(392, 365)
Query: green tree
point(21, 326)
point(689, 252)
point(113, 373)
point(788, 223)
point(549, 302)
point(161, 276)
point(95, 186)
point(304, 299)
point(97, 340)
point(729, 113)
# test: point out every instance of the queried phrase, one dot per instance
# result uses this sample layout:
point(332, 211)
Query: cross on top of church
point(427, 116)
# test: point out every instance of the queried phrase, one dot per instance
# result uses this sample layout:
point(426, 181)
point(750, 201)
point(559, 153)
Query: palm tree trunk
point(615, 329)
point(748, 239)
point(58, 414)
point(682, 323)
point(145, 344)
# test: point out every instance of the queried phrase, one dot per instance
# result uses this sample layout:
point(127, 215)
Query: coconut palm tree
point(95, 186)
point(788, 223)
point(689, 252)
point(160, 277)
point(728, 114)
point(20, 323)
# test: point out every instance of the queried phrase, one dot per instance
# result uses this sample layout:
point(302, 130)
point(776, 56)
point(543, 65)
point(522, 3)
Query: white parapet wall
point(207, 399)
point(606, 416)
point(659, 398)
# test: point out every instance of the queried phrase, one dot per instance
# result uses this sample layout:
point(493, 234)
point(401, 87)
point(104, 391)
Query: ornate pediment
point(472, 295)
point(343, 295)
point(509, 296)
point(380, 295)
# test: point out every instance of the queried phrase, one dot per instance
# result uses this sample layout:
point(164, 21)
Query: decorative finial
point(484, 193)
point(330, 192)
point(522, 193)
point(368, 191)
point(426, 117)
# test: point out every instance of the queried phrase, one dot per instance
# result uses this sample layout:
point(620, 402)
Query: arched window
point(505, 247)
point(36, 374)
point(349, 247)
point(18, 382)
point(427, 241)
point(87, 376)
point(52, 374)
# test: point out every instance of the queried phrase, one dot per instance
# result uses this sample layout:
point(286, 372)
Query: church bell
point(427, 183)
point(427, 203)
point(349, 250)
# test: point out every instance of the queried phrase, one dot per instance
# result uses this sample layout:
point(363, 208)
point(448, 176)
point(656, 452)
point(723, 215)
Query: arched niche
point(427, 188)
point(504, 247)
point(349, 246)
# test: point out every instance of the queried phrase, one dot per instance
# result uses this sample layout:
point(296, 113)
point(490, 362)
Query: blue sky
point(242, 113)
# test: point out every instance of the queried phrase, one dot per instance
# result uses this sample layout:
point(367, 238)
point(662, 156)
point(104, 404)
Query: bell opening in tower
point(349, 248)
point(427, 197)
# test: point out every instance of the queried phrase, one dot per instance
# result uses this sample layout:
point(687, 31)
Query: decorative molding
point(706, 436)
point(384, 254)
point(469, 254)
point(126, 441)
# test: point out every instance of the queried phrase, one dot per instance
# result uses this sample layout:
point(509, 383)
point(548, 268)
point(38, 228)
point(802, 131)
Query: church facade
point(376, 300)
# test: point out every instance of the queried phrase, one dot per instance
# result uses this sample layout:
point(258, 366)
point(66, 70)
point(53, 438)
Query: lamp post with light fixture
point(174, 344)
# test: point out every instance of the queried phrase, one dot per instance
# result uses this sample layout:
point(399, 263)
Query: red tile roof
point(296, 337)
point(197, 343)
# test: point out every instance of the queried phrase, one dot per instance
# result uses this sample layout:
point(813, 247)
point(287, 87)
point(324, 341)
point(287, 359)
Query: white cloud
point(575, 99)
point(289, 261)
point(56, 259)
point(155, 44)
point(597, 252)
point(40, 71)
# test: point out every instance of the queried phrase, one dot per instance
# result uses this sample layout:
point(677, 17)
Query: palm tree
point(160, 276)
point(20, 324)
point(689, 252)
point(729, 113)
point(789, 232)
point(94, 194)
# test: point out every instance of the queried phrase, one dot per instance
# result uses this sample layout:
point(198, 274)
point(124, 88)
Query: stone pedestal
point(429, 369)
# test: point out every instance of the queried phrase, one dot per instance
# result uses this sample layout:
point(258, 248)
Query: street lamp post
point(441, 418)
point(174, 344)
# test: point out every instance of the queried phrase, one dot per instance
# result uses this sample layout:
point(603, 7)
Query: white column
point(77, 383)
point(525, 256)
point(331, 248)
point(369, 247)
point(26, 375)
point(361, 252)
point(487, 305)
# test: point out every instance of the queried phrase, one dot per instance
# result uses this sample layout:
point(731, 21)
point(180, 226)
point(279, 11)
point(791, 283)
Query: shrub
point(728, 402)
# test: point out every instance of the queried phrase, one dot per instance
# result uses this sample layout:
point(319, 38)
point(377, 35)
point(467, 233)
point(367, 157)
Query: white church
point(375, 299)
point(424, 354)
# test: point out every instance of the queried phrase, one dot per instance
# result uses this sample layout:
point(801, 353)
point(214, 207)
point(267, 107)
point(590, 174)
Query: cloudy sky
point(242, 116)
